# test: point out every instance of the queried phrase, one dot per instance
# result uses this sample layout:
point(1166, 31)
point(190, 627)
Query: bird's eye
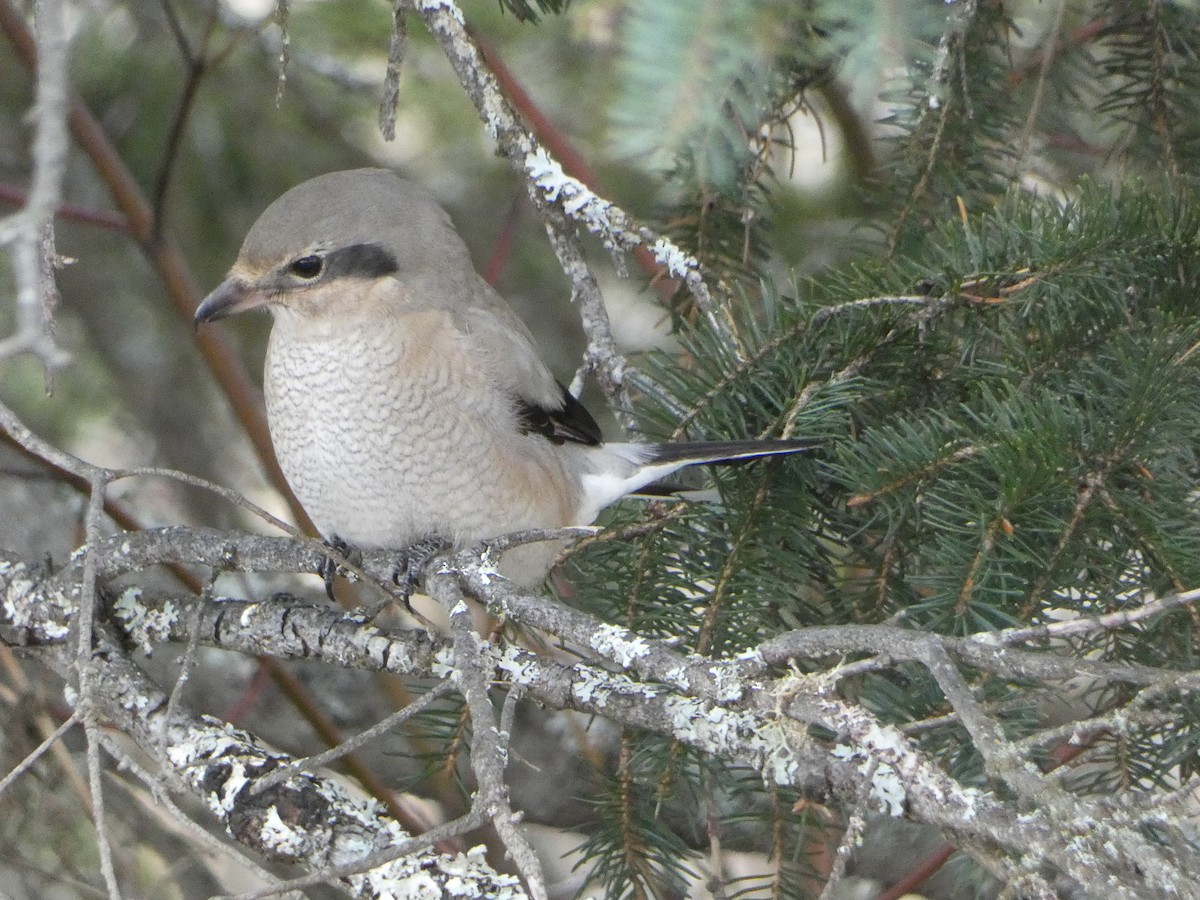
point(307, 267)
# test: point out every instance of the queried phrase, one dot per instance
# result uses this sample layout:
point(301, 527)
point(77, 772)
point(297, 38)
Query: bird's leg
point(329, 568)
point(410, 565)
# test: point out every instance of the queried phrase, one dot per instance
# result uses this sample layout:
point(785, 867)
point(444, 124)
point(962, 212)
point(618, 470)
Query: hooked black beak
point(230, 297)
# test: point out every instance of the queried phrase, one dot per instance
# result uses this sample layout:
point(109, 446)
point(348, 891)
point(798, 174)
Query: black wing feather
point(570, 422)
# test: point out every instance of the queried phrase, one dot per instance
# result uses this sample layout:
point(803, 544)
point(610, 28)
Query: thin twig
point(856, 823)
point(397, 47)
point(29, 233)
point(34, 755)
point(379, 729)
point(939, 105)
point(489, 744)
point(189, 654)
point(45, 727)
point(99, 218)
point(197, 64)
point(283, 19)
point(85, 675)
point(1087, 624)
point(1051, 42)
point(234, 497)
point(462, 825)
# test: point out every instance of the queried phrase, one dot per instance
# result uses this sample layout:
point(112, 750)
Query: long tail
point(690, 453)
point(638, 468)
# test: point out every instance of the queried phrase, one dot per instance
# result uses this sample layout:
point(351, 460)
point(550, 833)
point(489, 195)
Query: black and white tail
point(629, 468)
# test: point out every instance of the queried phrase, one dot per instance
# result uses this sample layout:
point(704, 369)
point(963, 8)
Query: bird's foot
point(330, 568)
point(410, 566)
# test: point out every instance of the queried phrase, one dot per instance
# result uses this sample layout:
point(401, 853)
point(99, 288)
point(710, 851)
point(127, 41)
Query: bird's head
point(338, 241)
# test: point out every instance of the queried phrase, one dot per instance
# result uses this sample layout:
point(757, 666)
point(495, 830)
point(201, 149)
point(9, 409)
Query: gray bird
point(404, 396)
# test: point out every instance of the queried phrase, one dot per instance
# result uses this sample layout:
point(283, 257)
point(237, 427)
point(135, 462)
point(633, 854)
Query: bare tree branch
point(740, 709)
point(29, 234)
point(474, 665)
point(563, 200)
point(309, 820)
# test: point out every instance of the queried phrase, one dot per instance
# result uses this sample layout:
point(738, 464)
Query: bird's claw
point(330, 568)
point(410, 566)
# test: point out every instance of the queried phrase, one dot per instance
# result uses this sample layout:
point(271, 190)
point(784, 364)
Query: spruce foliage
point(1006, 378)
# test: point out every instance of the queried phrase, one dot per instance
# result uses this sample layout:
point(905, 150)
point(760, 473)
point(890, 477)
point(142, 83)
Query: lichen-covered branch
point(564, 200)
point(308, 820)
point(474, 670)
point(756, 710)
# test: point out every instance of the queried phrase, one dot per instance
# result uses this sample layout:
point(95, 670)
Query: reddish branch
point(556, 142)
point(164, 254)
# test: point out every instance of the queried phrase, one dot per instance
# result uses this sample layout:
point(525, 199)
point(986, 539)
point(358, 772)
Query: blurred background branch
point(28, 234)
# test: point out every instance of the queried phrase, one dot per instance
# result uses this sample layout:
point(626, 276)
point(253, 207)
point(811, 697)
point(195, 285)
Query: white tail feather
point(622, 469)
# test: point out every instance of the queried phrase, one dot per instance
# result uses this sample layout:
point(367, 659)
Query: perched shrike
point(404, 396)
